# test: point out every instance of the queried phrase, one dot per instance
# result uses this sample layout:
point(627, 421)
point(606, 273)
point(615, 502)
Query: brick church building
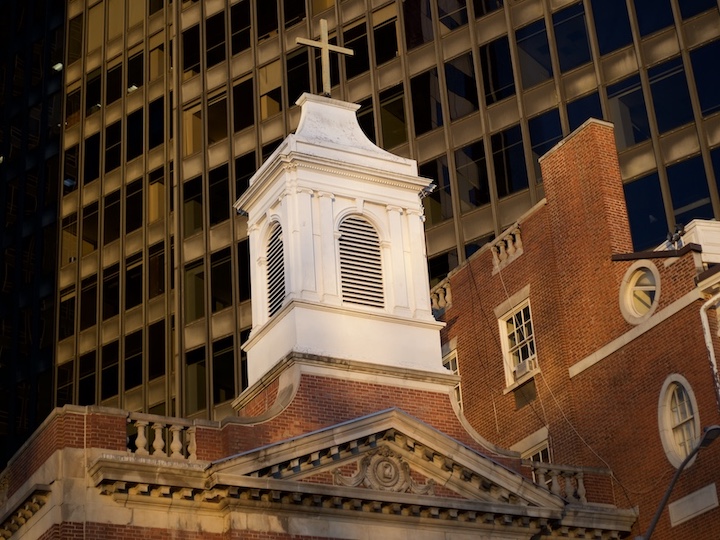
point(573, 349)
point(570, 350)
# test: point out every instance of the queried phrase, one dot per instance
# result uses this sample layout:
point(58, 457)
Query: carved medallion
point(384, 470)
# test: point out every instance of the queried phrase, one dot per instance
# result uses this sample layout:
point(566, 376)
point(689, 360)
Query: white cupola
point(337, 249)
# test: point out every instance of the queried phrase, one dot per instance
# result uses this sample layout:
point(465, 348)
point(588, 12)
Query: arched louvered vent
point(360, 264)
point(275, 270)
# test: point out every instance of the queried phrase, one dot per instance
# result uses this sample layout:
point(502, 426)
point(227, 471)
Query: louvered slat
point(275, 270)
point(360, 263)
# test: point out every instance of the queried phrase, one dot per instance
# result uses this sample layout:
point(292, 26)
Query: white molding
point(618, 343)
point(691, 506)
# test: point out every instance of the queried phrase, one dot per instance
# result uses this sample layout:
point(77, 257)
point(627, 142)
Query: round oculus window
point(639, 292)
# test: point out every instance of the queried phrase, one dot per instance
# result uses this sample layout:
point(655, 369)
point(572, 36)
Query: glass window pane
point(133, 359)
point(93, 93)
point(111, 291)
point(267, 20)
point(392, 117)
point(115, 18)
point(69, 239)
point(219, 195)
point(156, 270)
point(418, 23)
point(157, 61)
point(694, 7)
point(220, 280)
point(452, 14)
point(243, 105)
point(113, 148)
point(652, 15)
point(509, 161)
point(195, 377)
point(707, 76)
point(192, 129)
point(483, 7)
point(427, 110)
point(113, 84)
point(66, 314)
point(385, 34)
point(334, 66)
point(298, 75)
point(193, 206)
point(134, 135)
point(366, 118)
point(217, 117)
point(628, 112)
point(534, 54)
point(96, 26)
point(223, 370)
point(194, 291)
point(461, 86)
point(110, 378)
point(88, 299)
point(91, 170)
point(646, 212)
point(74, 39)
point(86, 382)
point(671, 98)
point(156, 125)
point(111, 217)
point(472, 176)
point(355, 38)
point(240, 26)
point(270, 81)
point(133, 281)
point(90, 228)
point(497, 70)
point(545, 132)
point(72, 108)
point(156, 350)
point(571, 37)
point(134, 206)
point(70, 170)
point(244, 169)
point(215, 39)
point(191, 52)
point(583, 108)
point(156, 195)
point(293, 11)
point(243, 249)
point(689, 190)
point(136, 72)
point(612, 24)
point(319, 6)
point(438, 204)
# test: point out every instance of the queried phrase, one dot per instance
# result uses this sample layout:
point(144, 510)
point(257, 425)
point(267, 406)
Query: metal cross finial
point(325, 47)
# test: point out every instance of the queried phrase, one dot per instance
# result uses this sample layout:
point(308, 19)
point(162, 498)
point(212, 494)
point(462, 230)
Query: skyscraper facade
point(170, 107)
point(31, 97)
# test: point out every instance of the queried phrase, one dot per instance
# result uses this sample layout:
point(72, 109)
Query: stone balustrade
point(563, 480)
point(440, 297)
point(162, 437)
point(506, 248)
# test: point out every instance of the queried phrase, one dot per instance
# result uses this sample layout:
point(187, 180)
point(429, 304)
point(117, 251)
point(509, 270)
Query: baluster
point(518, 239)
point(568, 486)
point(158, 442)
point(448, 293)
point(555, 485)
point(176, 444)
point(540, 477)
point(581, 492)
point(192, 444)
point(141, 440)
point(434, 301)
point(503, 253)
point(496, 259)
point(441, 297)
point(511, 245)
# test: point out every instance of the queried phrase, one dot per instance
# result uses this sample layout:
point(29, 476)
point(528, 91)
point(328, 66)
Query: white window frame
point(450, 362)
point(629, 288)
point(673, 429)
point(512, 378)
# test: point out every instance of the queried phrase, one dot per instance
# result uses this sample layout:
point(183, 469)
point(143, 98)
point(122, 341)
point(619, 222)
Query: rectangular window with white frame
point(450, 362)
point(518, 343)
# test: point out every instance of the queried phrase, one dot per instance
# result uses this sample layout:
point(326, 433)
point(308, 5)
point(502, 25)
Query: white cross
point(325, 47)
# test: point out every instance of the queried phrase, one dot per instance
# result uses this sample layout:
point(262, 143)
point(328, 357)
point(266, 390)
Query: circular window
point(639, 292)
point(678, 419)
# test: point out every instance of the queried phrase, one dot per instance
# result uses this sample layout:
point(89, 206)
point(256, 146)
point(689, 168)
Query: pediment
point(392, 452)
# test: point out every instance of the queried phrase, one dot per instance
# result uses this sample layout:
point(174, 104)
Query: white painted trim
point(690, 506)
point(618, 343)
point(626, 289)
point(531, 441)
point(665, 419)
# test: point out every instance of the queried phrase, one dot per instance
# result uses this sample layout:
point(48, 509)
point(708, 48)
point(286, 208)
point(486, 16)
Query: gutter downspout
point(709, 343)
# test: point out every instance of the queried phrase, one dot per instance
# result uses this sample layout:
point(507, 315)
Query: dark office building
point(170, 107)
point(31, 96)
